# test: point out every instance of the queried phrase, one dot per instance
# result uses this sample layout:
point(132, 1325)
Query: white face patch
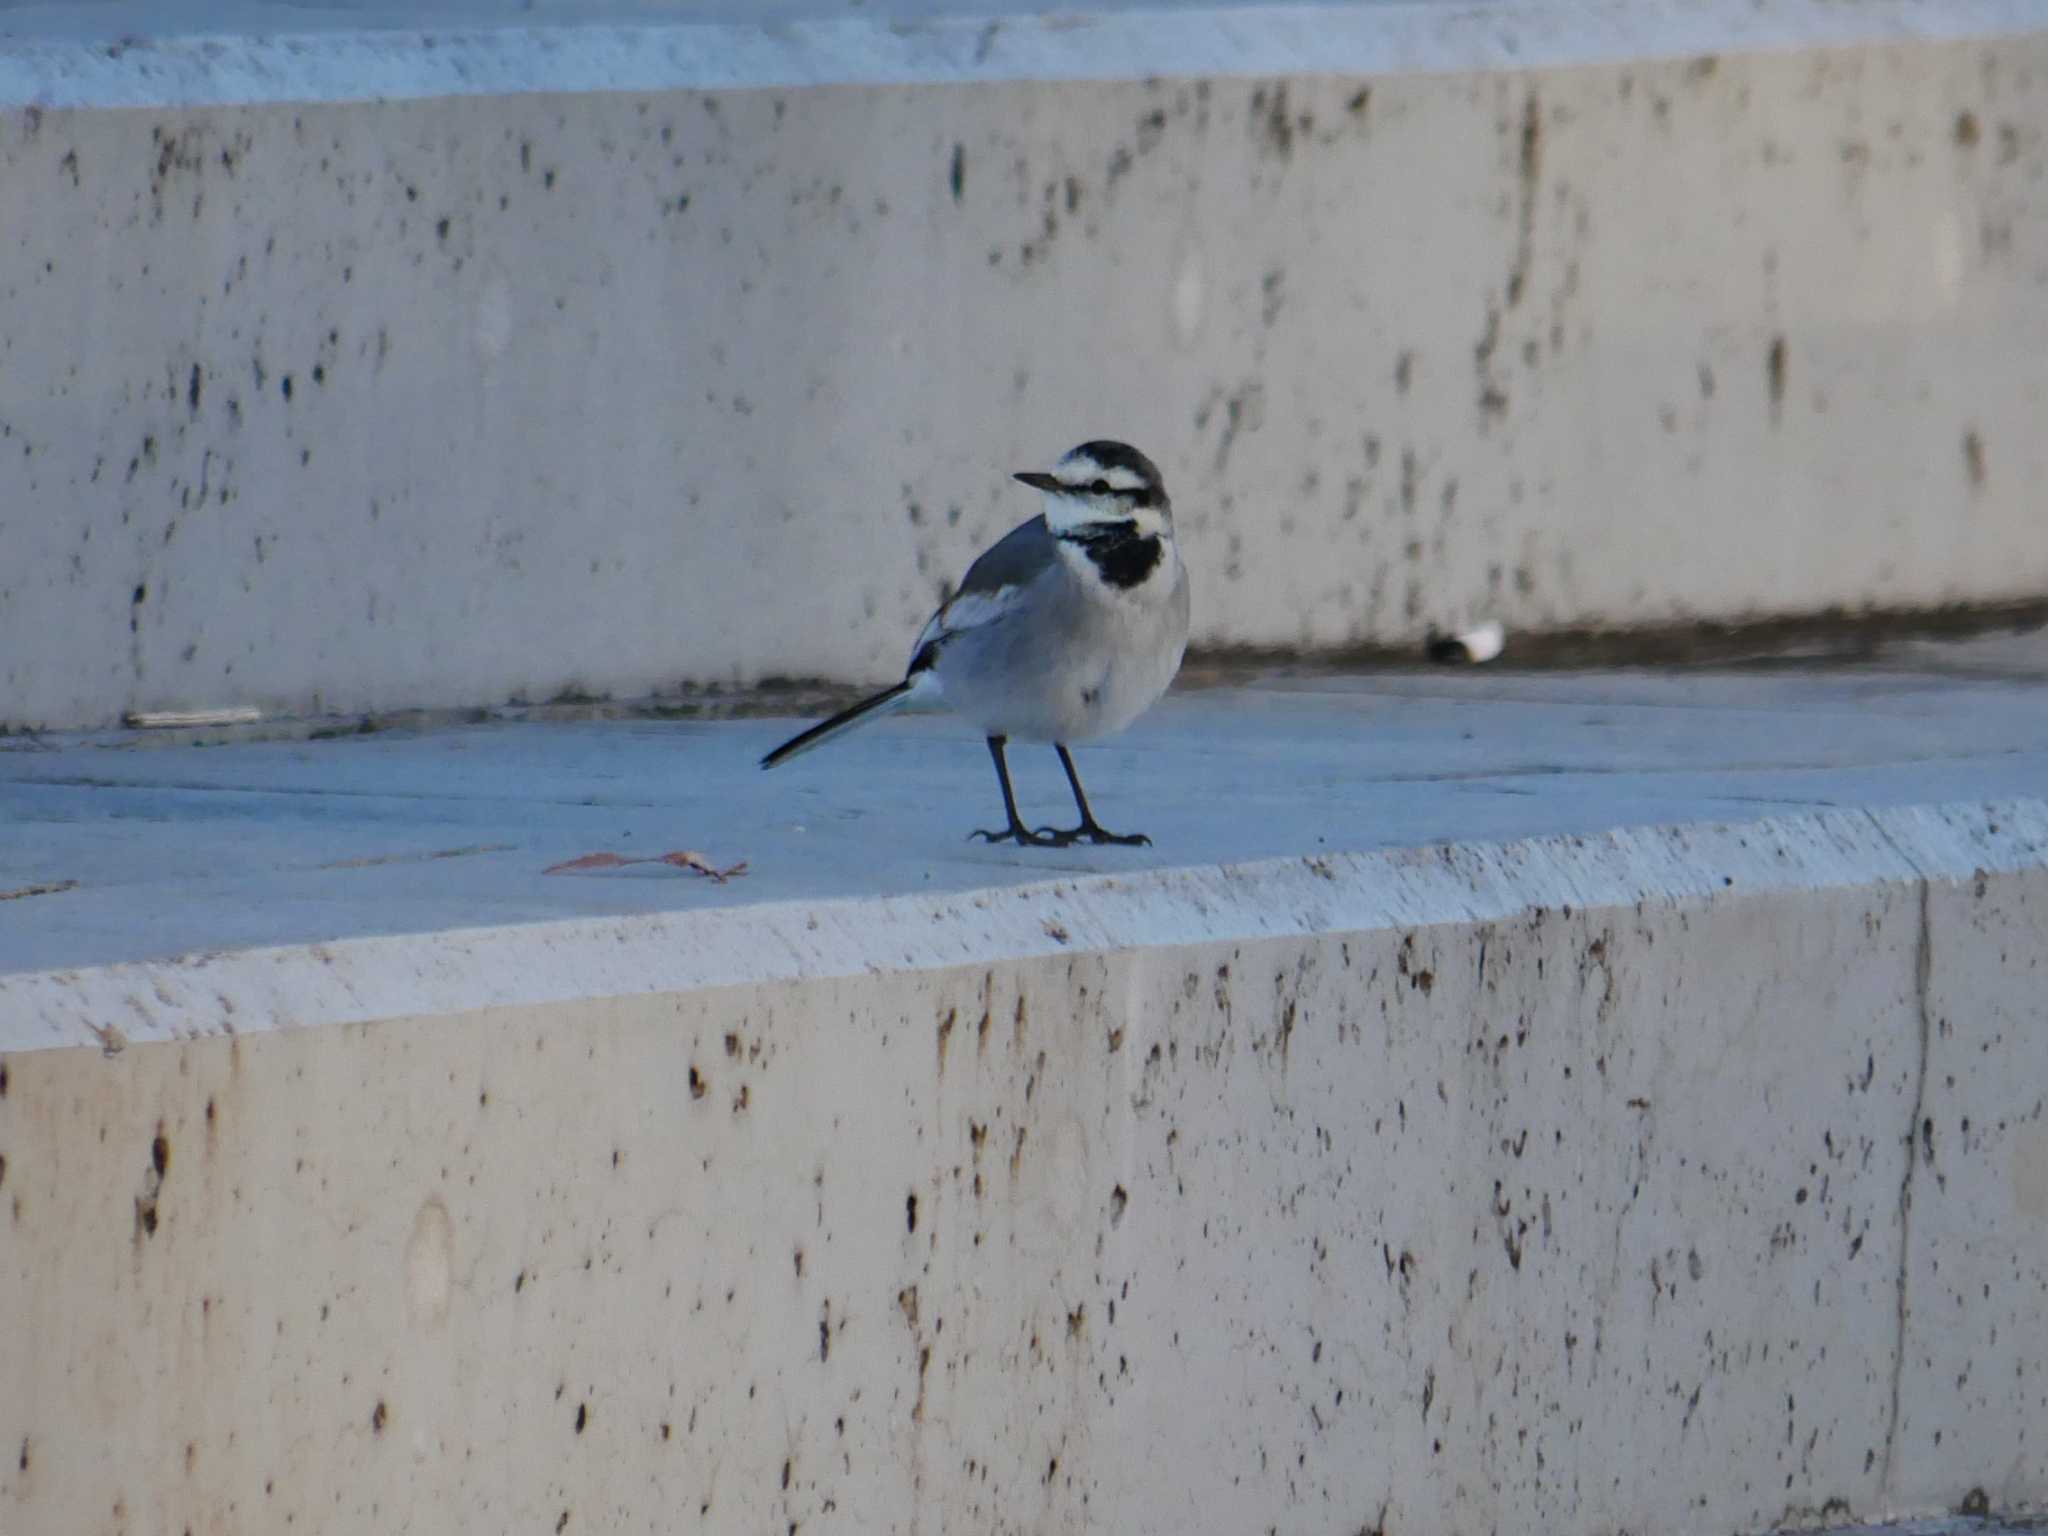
point(1067, 509)
point(1152, 522)
point(1064, 514)
point(1090, 492)
point(1080, 472)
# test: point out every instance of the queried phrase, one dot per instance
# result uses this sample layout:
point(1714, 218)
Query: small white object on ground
point(1482, 642)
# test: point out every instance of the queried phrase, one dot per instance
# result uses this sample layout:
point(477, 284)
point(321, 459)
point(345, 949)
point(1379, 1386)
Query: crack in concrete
point(1923, 967)
point(1923, 972)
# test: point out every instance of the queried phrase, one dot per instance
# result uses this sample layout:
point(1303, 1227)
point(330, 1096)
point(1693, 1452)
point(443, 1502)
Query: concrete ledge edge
point(366, 980)
point(1933, 1525)
point(221, 68)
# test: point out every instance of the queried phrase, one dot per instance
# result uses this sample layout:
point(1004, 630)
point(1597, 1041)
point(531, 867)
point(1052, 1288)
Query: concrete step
point(437, 361)
point(1567, 1102)
point(163, 851)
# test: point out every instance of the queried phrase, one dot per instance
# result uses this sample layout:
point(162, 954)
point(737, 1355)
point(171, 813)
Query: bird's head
point(1103, 483)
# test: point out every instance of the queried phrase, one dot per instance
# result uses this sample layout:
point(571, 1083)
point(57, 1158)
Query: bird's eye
point(1099, 488)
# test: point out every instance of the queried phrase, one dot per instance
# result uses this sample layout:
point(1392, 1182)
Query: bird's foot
point(1099, 835)
point(1065, 837)
point(1023, 836)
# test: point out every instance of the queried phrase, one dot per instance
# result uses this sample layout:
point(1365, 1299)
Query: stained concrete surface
point(154, 851)
point(1285, 1174)
point(1387, 1191)
point(450, 400)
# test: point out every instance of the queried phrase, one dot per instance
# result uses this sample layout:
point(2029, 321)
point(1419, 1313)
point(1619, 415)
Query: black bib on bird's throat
point(1123, 555)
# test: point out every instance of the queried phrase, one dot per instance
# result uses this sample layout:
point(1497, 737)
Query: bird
point(1066, 629)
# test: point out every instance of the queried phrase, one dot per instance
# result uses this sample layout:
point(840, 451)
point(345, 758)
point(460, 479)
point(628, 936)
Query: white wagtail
point(1067, 628)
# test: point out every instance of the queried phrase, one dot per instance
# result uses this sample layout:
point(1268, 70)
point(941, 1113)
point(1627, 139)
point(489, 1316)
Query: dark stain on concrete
point(1273, 124)
point(1529, 173)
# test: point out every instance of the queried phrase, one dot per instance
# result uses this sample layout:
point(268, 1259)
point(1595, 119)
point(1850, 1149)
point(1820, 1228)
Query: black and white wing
point(990, 590)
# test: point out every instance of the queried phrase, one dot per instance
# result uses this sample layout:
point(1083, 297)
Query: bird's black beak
point(1037, 480)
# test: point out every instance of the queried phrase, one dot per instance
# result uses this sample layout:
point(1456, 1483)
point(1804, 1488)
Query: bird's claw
point(1099, 836)
point(1121, 839)
point(1062, 837)
point(1023, 836)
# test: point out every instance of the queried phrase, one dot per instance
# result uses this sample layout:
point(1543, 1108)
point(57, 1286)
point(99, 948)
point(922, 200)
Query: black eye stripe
point(1136, 495)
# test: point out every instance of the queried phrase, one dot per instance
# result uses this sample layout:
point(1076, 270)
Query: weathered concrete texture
point(1975, 1298)
point(1576, 1185)
point(126, 849)
point(188, 52)
point(441, 402)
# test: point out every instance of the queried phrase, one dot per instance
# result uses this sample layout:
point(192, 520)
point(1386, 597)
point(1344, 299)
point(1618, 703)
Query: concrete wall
point(1688, 1179)
point(327, 404)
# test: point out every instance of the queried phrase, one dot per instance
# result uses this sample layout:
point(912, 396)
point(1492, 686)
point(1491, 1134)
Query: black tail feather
point(845, 720)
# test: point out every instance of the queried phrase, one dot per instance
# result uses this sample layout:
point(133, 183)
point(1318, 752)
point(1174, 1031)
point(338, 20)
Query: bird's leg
point(1089, 828)
point(1016, 832)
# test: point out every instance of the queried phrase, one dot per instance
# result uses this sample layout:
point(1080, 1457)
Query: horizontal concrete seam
point(1217, 41)
point(462, 971)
